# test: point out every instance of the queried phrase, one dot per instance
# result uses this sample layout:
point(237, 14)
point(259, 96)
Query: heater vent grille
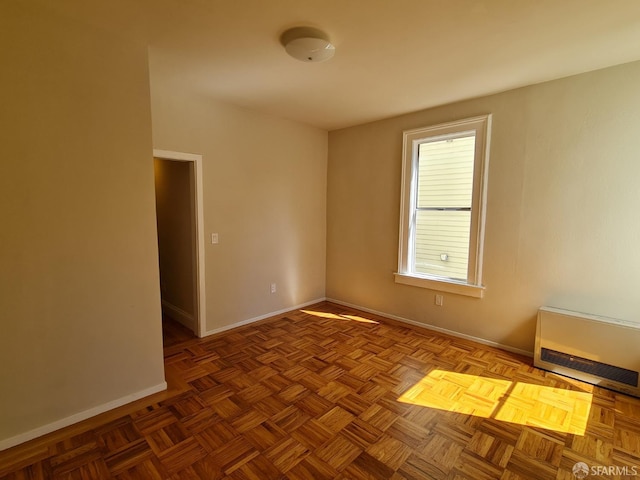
point(602, 370)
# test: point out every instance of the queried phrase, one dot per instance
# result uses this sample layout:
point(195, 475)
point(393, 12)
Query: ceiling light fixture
point(307, 44)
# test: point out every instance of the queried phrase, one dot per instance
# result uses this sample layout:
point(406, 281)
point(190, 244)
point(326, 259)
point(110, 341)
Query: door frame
point(199, 230)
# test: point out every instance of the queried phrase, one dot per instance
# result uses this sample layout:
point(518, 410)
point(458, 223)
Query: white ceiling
point(392, 56)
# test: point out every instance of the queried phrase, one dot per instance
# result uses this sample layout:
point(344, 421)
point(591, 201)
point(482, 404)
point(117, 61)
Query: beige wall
point(176, 236)
point(79, 280)
point(562, 215)
point(264, 194)
point(79, 284)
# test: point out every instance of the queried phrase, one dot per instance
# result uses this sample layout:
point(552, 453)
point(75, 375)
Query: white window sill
point(441, 285)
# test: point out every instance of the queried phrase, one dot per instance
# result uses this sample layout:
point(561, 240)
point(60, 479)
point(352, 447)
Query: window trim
point(411, 140)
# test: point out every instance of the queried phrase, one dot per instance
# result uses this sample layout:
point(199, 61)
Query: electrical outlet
point(439, 300)
point(214, 238)
point(273, 288)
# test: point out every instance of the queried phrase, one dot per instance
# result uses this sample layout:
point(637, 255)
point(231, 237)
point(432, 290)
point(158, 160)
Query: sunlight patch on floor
point(515, 402)
point(334, 316)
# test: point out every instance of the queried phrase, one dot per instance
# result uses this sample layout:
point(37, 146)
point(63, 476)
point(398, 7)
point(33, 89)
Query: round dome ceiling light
point(307, 44)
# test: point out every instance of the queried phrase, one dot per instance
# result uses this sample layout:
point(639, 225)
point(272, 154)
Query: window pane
point(438, 233)
point(441, 212)
point(445, 173)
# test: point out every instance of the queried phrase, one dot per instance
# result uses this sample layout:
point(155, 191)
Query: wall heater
point(598, 350)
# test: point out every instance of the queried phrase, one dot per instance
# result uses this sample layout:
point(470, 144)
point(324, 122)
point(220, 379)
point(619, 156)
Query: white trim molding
point(78, 417)
point(475, 291)
point(427, 326)
point(200, 317)
point(480, 127)
point(262, 317)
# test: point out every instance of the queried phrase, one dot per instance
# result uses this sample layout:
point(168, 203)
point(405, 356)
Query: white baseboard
point(427, 326)
point(185, 318)
point(78, 417)
point(262, 317)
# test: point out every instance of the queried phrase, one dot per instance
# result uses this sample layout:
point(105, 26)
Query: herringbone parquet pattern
point(328, 392)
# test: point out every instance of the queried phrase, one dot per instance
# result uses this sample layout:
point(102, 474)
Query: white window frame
point(411, 141)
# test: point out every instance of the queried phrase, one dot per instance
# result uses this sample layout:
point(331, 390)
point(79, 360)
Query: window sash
point(441, 232)
point(478, 126)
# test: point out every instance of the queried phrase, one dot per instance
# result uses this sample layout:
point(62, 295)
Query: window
point(442, 206)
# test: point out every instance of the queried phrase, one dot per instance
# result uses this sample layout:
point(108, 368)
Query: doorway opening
point(180, 220)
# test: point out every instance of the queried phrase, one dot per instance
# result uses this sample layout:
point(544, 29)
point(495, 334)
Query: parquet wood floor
point(174, 332)
point(328, 392)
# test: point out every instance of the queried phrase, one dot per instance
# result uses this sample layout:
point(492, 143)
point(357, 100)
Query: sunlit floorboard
point(329, 392)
